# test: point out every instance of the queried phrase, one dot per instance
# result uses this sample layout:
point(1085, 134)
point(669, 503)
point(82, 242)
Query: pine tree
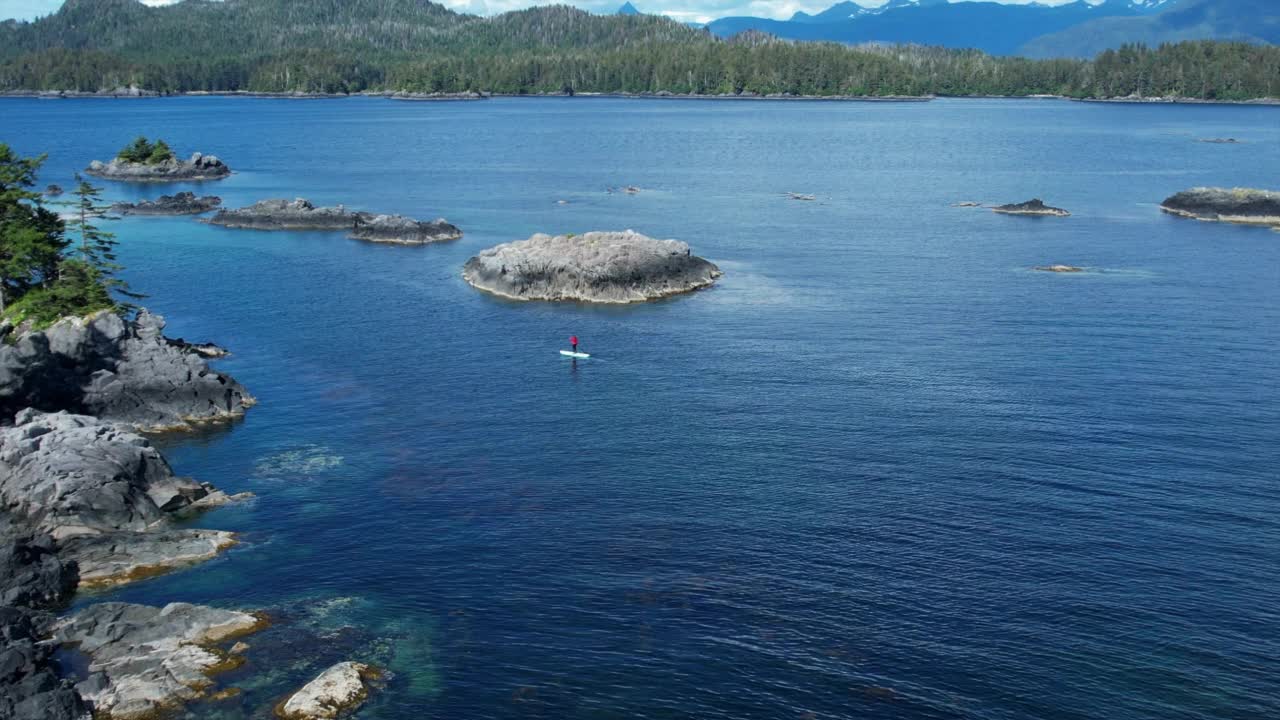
point(31, 236)
point(96, 247)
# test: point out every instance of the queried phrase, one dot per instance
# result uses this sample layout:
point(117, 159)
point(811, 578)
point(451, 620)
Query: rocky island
point(144, 161)
point(1238, 205)
point(1058, 268)
point(183, 203)
point(301, 214)
point(1031, 207)
point(600, 267)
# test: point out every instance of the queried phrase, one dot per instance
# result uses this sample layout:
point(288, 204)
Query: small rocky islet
point(183, 203)
point(596, 267)
point(198, 167)
point(301, 214)
point(1246, 206)
point(1034, 206)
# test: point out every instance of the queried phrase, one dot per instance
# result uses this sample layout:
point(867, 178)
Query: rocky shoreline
point(1244, 206)
point(198, 167)
point(598, 267)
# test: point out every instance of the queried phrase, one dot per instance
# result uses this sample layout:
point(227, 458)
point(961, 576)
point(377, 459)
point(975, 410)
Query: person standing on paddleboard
point(573, 340)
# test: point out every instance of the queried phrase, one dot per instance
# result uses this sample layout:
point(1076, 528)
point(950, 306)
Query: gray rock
point(402, 230)
point(116, 558)
point(603, 267)
point(1238, 205)
point(198, 167)
point(30, 688)
point(1031, 207)
point(32, 574)
point(338, 690)
point(278, 214)
point(146, 659)
point(53, 190)
point(183, 203)
point(124, 371)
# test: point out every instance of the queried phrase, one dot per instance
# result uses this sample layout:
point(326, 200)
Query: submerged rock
point(53, 190)
point(1059, 268)
point(1238, 205)
point(1220, 141)
point(198, 167)
point(279, 214)
point(118, 370)
point(802, 196)
point(1031, 207)
point(966, 204)
point(402, 230)
point(143, 659)
point(340, 689)
point(603, 267)
point(183, 203)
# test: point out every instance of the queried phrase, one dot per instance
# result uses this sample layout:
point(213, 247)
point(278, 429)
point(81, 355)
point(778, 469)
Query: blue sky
point(685, 10)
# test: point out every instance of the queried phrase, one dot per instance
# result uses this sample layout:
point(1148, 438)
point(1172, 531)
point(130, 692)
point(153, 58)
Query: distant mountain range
point(1075, 29)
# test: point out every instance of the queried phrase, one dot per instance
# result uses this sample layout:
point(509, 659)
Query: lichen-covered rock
point(145, 659)
point(603, 267)
point(1238, 205)
point(401, 230)
point(340, 689)
point(198, 167)
point(1031, 207)
point(183, 203)
point(124, 371)
point(279, 214)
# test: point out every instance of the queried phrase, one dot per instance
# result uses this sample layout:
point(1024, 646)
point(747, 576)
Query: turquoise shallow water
point(882, 470)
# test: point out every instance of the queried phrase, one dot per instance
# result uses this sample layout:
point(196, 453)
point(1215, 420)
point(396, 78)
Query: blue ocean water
point(881, 470)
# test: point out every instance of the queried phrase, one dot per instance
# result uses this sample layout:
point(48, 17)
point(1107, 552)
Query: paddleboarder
point(573, 340)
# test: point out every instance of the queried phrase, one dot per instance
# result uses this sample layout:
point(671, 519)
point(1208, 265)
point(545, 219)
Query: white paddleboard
point(572, 354)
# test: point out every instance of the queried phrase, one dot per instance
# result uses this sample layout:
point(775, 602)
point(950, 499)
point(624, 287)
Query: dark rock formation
point(402, 230)
point(1238, 205)
point(143, 660)
point(280, 214)
point(209, 351)
point(125, 371)
point(183, 203)
point(1220, 141)
point(32, 578)
point(1031, 207)
point(604, 267)
point(53, 190)
point(198, 167)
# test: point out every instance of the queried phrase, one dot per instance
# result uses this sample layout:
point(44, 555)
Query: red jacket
point(573, 340)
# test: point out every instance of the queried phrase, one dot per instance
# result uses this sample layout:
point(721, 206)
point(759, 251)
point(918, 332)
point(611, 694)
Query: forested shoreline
point(332, 47)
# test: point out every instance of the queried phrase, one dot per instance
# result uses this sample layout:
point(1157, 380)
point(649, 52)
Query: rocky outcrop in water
point(279, 214)
point(183, 203)
point(53, 190)
point(336, 691)
point(118, 370)
point(603, 267)
point(1058, 268)
point(401, 230)
point(144, 660)
point(198, 167)
point(301, 214)
point(1238, 205)
point(105, 494)
point(1031, 207)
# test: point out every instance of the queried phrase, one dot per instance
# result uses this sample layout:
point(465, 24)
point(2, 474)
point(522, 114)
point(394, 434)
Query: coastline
point(404, 96)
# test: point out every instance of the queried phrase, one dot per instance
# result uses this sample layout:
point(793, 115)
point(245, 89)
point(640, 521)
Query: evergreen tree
point(31, 236)
point(160, 152)
point(138, 151)
point(95, 248)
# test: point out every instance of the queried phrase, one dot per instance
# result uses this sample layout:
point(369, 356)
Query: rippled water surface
point(882, 470)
